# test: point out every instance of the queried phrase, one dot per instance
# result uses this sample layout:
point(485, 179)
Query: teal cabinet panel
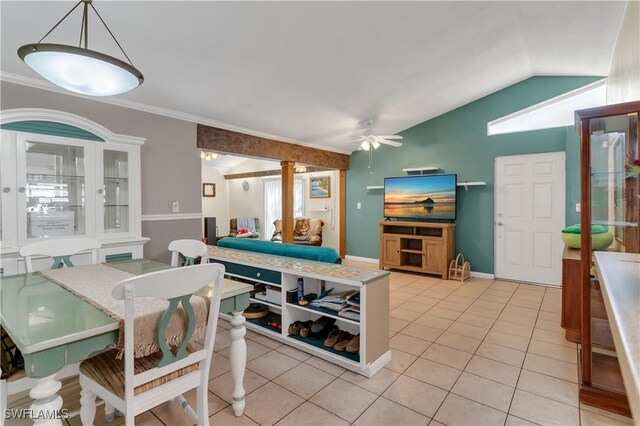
point(252, 273)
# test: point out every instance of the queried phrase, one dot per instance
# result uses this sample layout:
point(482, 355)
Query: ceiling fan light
point(375, 144)
point(365, 145)
point(81, 70)
point(206, 155)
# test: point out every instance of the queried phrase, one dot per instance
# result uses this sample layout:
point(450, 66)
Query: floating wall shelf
point(468, 184)
point(420, 169)
point(375, 187)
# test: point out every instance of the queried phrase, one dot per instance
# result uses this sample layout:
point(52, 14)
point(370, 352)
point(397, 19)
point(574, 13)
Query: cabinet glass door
point(615, 208)
point(115, 191)
point(8, 231)
point(55, 190)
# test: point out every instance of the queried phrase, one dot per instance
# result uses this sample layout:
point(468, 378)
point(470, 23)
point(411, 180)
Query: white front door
point(529, 215)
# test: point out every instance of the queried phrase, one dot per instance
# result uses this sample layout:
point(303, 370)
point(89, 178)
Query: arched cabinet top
point(14, 116)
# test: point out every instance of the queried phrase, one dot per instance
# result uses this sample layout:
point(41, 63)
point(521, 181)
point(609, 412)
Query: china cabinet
point(609, 222)
point(64, 176)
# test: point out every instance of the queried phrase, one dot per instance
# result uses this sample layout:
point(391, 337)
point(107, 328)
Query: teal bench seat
point(320, 254)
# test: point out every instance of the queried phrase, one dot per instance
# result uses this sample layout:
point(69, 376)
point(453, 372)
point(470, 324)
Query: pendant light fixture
point(79, 69)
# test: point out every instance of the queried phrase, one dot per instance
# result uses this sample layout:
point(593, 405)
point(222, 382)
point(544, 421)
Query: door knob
point(499, 224)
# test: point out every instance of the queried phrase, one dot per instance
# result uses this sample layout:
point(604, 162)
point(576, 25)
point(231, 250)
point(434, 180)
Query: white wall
point(248, 203)
point(623, 83)
point(331, 217)
point(217, 206)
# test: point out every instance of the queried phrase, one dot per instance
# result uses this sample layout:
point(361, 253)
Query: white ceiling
point(313, 72)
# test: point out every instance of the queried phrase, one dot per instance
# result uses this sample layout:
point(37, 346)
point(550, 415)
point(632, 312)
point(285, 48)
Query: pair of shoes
point(305, 328)
point(294, 328)
point(321, 327)
point(353, 347)
point(333, 338)
point(340, 340)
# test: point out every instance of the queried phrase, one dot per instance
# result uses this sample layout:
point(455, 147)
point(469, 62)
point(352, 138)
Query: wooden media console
point(417, 246)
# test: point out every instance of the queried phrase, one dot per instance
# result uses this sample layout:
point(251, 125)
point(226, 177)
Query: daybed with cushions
point(306, 231)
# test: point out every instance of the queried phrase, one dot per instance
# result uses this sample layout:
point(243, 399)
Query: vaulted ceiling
point(314, 72)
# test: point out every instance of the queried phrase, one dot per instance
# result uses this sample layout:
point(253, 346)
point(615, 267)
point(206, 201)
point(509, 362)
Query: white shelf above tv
point(421, 169)
point(468, 184)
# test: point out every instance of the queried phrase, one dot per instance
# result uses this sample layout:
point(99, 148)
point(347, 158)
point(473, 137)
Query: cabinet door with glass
point(118, 183)
point(8, 230)
point(610, 220)
point(55, 180)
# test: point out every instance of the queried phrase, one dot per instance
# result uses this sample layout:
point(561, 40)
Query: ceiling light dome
point(79, 69)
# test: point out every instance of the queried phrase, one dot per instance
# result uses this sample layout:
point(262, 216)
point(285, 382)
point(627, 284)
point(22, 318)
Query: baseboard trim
point(174, 216)
point(361, 259)
point(483, 275)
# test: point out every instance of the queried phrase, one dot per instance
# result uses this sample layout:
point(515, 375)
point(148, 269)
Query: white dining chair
point(135, 386)
point(190, 249)
point(60, 249)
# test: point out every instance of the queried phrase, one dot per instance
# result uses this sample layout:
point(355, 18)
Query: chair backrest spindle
point(162, 285)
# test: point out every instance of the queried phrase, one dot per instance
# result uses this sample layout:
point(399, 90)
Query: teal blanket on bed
point(320, 254)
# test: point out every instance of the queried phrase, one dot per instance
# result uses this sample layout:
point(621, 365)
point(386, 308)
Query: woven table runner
point(94, 283)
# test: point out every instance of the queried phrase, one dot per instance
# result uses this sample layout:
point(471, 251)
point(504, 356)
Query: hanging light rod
point(79, 69)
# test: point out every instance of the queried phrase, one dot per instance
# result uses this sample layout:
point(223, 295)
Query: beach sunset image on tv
point(421, 197)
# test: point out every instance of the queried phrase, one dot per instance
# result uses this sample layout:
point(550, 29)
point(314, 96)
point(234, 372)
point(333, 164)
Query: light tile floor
point(483, 352)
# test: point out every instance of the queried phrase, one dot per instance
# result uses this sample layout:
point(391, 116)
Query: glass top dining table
point(54, 328)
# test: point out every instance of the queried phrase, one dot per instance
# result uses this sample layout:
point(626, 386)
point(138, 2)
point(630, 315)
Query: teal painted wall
point(457, 142)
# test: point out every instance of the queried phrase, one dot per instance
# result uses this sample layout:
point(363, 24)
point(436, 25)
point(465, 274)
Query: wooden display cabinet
point(609, 198)
point(417, 246)
point(570, 319)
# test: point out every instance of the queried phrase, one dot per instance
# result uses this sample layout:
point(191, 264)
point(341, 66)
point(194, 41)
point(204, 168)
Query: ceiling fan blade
point(360, 139)
point(391, 137)
point(388, 142)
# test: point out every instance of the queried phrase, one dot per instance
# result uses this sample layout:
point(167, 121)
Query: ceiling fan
point(368, 139)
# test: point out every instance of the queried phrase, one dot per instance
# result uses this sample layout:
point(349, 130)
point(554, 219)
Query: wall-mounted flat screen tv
point(425, 197)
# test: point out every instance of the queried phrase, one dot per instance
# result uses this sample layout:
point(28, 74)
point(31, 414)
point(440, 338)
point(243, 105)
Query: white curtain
point(298, 197)
point(273, 203)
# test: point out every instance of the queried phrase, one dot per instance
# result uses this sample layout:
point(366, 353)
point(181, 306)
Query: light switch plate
point(578, 207)
point(359, 206)
point(175, 207)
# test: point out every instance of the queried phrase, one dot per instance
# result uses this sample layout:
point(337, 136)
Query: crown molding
point(165, 112)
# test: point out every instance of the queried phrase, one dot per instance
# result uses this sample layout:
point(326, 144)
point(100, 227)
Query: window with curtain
point(273, 202)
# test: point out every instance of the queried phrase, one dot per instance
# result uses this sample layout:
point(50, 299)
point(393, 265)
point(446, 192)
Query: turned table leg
point(47, 403)
point(238, 361)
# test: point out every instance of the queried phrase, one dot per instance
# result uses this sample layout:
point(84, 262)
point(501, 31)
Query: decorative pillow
point(315, 230)
point(302, 228)
point(278, 224)
point(244, 233)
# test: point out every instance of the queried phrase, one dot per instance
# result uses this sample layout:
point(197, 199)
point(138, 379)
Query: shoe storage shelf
point(417, 246)
point(281, 274)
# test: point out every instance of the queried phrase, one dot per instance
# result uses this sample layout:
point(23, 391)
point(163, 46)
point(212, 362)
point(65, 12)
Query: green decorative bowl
point(601, 237)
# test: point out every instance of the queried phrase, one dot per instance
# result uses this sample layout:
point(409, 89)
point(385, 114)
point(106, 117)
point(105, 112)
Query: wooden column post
point(287, 200)
point(343, 213)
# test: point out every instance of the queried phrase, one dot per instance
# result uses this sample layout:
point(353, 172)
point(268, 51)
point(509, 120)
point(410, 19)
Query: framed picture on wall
point(320, 187)
point(208, 189)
